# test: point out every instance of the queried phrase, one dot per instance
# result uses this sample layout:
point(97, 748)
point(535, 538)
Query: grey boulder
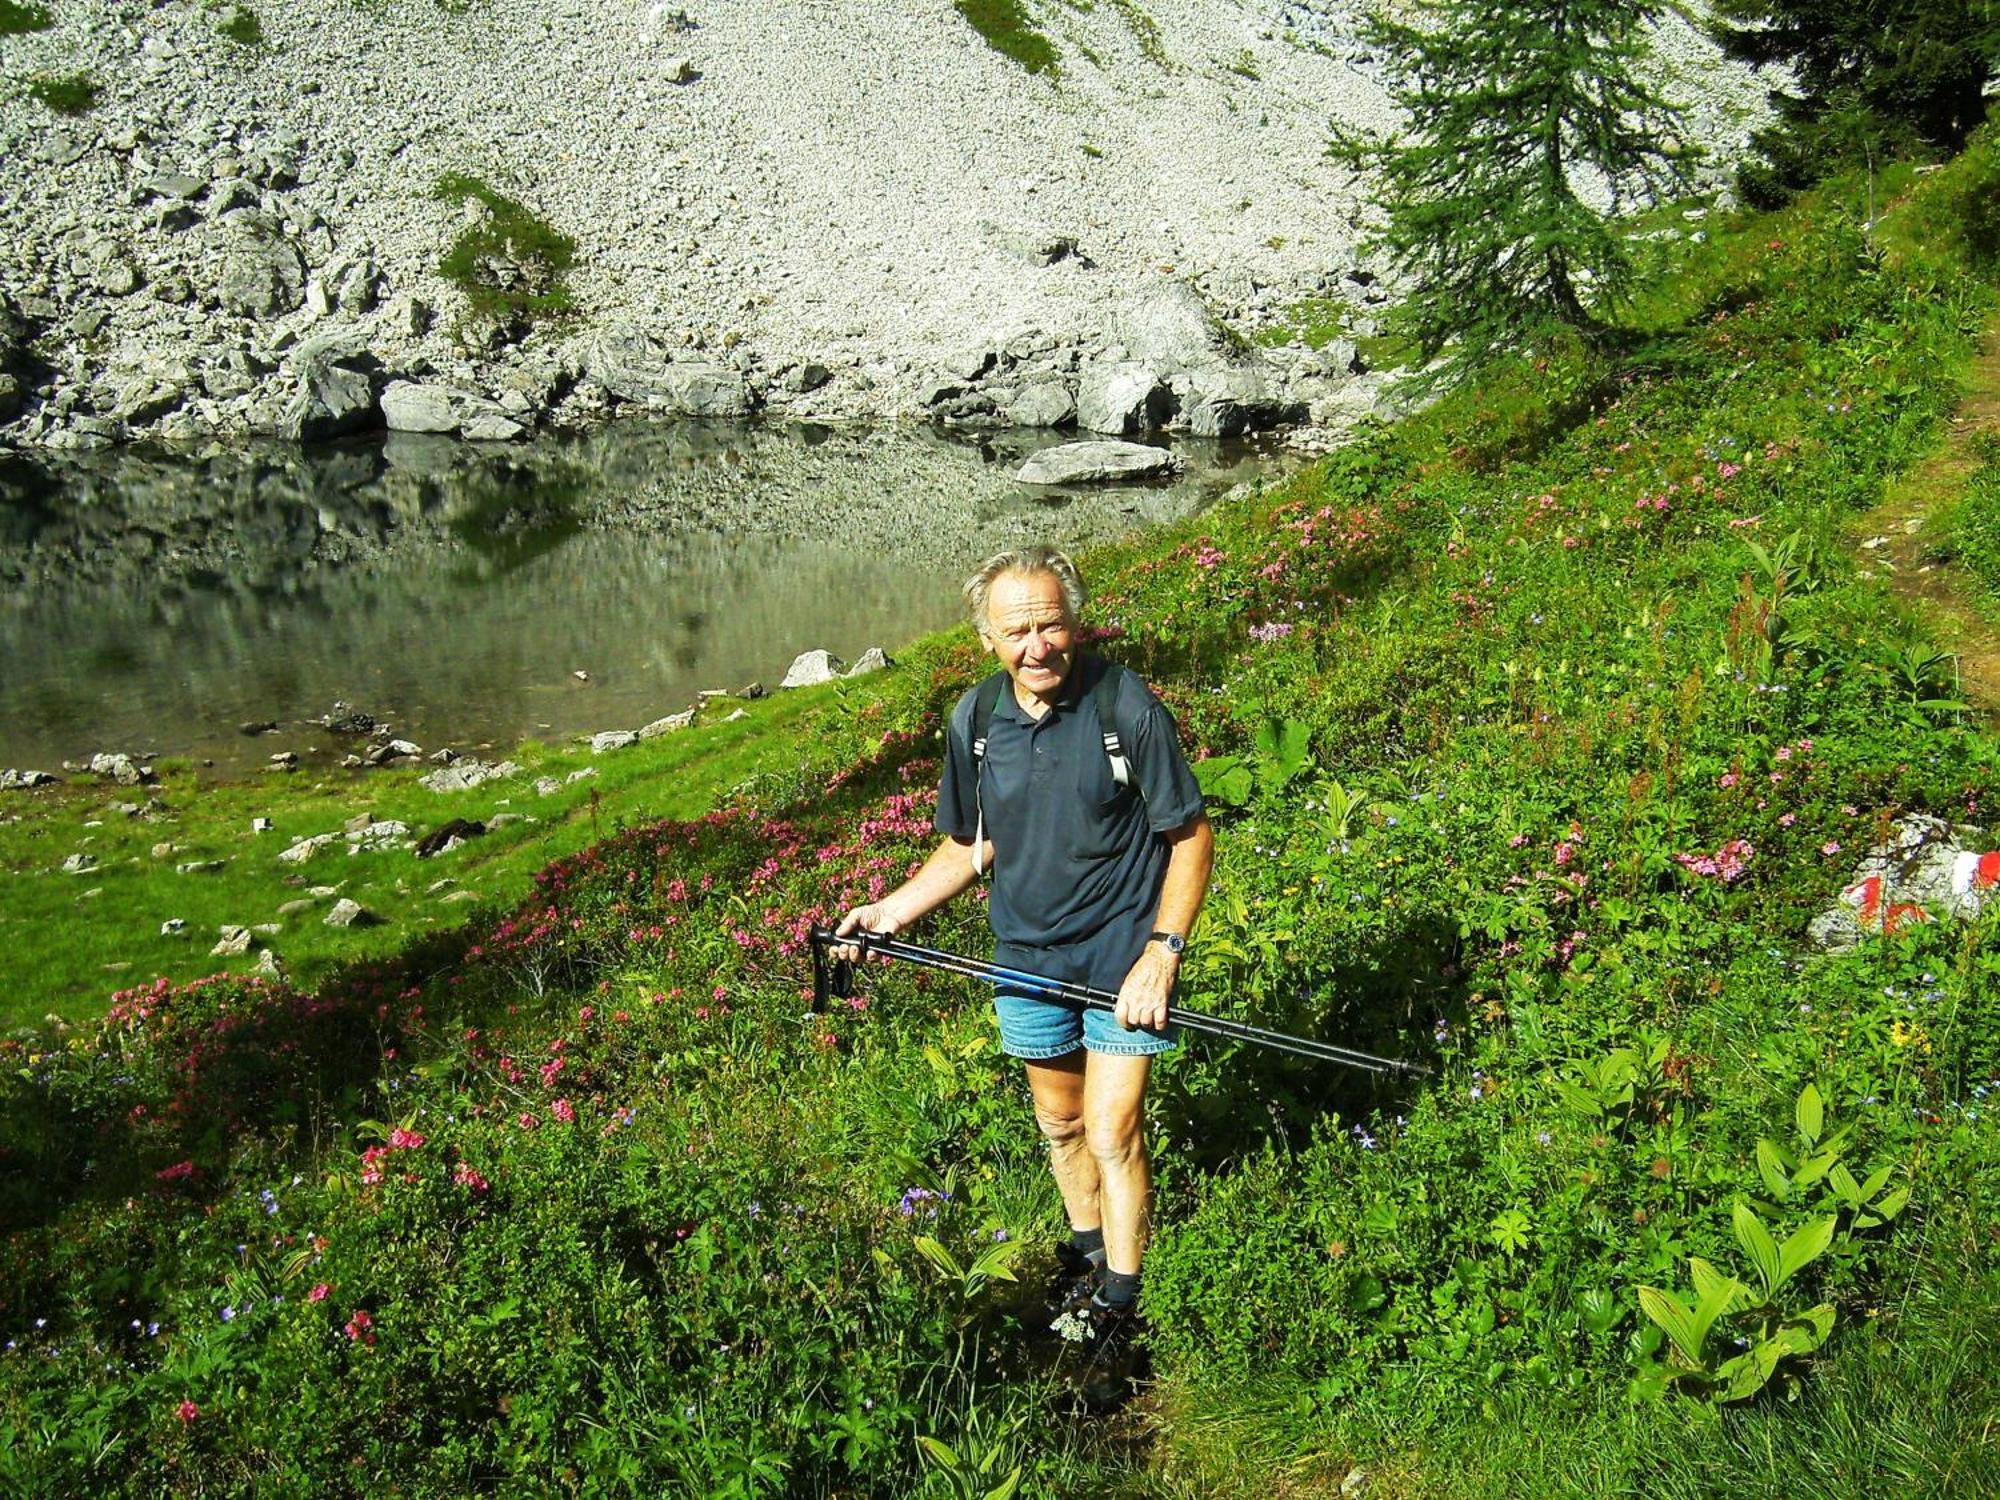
point(874, 659)
point(263, 274)
point(1046, 403)
point(1227, 402)
point(331, 399)
point(667, 725)
point(810, 668)
point(409, 407)
point(120, 768)
point(1119, 398)
point(1096, 460)
point(463, 775)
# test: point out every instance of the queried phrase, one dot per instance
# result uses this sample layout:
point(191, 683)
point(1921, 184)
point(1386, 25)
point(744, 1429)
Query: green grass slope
point(1537, 727)
point(187, 850)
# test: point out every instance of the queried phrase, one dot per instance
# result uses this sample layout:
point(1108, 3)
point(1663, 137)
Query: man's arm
point(1142, 998)
point(947, 872)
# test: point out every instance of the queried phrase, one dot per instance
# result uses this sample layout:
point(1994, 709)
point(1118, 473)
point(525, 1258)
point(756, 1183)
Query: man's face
point(1030, 631)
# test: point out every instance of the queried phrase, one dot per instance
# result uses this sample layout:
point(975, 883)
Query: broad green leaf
point(1285, 746)
point(1580, 1101)
point(1771, 1167)
point(940, 1453)
point(1225, 778)
point(1890, 1206)
point(1805, 1245)
point(997, 1261)
point(1758, 1245)
point(1713, 1301)
point(1650, 1384)
point(1845, 1188)
point(1509, 1230)
point(1877, 1180)
point(1006, 1489)
point(940, 1257)
point(1620, 1065)
point(1748, 1373)
point(1598, 1310)
point(1708, 1281)
point(1813, 1168)
point(1811, 1113)
point(1665, 1309)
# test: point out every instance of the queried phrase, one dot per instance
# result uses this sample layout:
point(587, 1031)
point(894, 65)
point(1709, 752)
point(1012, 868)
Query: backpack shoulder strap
point(1105, 695)
point(985, 699)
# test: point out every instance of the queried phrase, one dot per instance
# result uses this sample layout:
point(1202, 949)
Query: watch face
point(1173, 940)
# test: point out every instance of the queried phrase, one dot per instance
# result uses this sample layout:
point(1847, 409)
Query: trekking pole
point(835, 978)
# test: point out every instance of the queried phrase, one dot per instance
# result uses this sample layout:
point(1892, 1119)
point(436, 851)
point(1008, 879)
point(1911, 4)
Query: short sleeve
point(1173, 796)
point(957, 809)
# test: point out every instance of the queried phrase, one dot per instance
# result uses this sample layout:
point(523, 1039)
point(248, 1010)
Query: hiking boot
point(1114, 1356)
point(1074, 1283)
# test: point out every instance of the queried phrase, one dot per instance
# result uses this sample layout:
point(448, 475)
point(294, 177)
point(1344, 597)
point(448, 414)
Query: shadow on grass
point(1239, 1101)
point(198, 1070)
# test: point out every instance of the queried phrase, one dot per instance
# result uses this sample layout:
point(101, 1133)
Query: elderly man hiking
point(1063, 775)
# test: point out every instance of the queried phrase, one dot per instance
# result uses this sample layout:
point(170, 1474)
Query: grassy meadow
point(1536, 728)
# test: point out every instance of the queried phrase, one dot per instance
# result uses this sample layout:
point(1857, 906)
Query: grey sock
point(1120, 1289)
point(1090, 1244)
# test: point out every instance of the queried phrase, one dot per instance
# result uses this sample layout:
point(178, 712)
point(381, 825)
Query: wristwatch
point(1175, 943)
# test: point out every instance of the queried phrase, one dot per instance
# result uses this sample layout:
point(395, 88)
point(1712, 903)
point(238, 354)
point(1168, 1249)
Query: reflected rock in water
point(457, 587)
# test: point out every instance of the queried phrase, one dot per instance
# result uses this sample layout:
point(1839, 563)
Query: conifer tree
point(1868, 76)
point(1528, 128)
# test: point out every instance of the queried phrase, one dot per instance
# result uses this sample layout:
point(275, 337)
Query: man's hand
point(874, 917)
point(1142, 998)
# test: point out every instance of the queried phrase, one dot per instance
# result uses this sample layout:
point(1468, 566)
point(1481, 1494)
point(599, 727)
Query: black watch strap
point(1174, 941)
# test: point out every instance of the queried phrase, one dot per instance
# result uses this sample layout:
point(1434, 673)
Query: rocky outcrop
point(463, 775)
point(165, 256)
point(1127, 396)
point(1924, 871)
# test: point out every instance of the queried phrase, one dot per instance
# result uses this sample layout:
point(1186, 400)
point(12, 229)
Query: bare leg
point(1114, 1097)
point(1058, 1086)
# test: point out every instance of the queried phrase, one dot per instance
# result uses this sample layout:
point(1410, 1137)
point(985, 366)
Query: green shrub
point(1008, 31)
point(66, 94)
point(242, 27)
point(17, 19)
point(1961, 207)
point(509, 265)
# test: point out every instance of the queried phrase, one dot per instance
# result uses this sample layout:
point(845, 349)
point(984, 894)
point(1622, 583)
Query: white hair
point(1037, 558)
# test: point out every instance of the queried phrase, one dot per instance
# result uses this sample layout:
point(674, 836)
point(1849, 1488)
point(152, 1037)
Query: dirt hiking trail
point(1896, 539)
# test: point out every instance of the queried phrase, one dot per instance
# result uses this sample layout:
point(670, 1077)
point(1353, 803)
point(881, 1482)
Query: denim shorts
point(1036, 1028)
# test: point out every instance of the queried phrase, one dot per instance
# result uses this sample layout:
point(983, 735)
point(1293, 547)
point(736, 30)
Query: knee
point(1062, 1131)
point(1116, 1145)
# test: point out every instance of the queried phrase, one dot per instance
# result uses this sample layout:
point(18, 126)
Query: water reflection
point(156, 602)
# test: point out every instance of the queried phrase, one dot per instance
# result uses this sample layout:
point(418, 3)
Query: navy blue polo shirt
point(1075, 855)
